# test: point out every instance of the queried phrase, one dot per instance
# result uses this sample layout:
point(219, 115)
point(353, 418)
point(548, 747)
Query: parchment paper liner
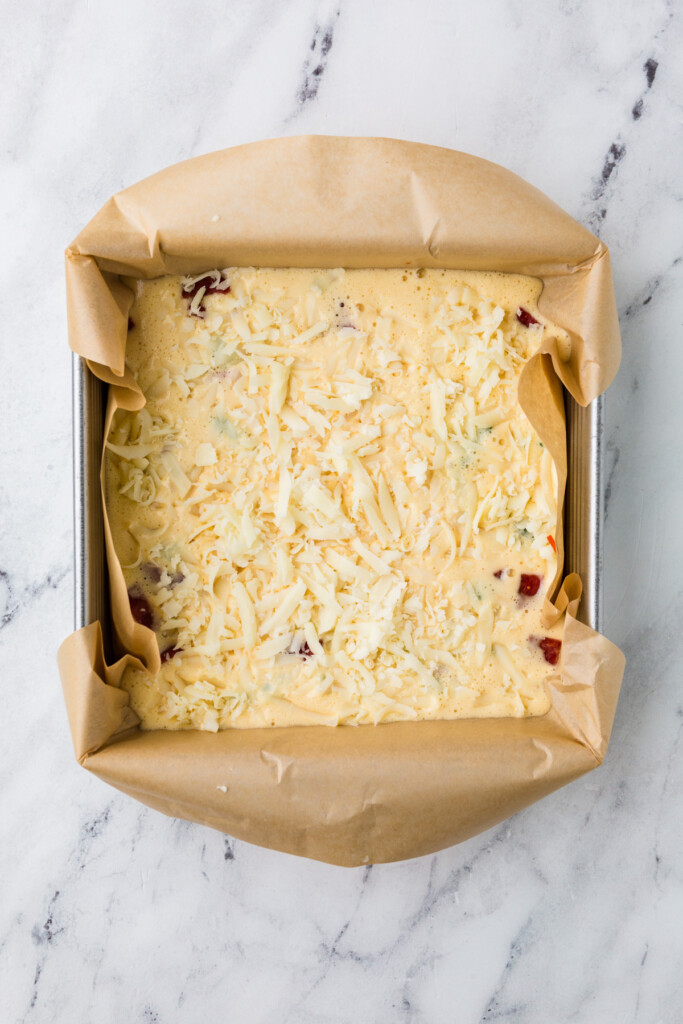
point(367, 794)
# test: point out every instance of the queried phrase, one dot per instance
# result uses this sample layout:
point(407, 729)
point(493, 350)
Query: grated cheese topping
point(327, 505)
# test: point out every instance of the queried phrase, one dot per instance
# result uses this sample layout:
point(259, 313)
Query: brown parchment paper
point(367, 794)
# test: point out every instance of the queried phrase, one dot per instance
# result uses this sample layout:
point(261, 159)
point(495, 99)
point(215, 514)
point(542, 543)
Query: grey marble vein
point(14, 602)
point(316, 62)
point(316, 59)
point(617, 152)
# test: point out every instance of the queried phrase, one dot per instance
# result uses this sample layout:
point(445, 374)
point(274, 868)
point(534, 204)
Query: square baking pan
point(583, 508)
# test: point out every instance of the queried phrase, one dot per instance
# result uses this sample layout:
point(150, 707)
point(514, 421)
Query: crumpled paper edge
point(129, 236)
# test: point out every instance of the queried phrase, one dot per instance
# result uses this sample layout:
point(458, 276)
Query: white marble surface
point(571, 911)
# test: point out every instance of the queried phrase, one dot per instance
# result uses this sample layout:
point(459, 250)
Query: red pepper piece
point(551, 649)
point(304, 651)
point(151, 571)
point(498, 574)
point(525, 318)
point(141, 609)
point(551, 541)
point(153, 574)
point(529, 584)
point(211, 286)
point(169, 653)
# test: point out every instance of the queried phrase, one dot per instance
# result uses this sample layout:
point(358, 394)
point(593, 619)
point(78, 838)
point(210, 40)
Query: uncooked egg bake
point(332, 508)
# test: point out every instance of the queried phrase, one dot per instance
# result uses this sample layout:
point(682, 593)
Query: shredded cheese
point(330, 496)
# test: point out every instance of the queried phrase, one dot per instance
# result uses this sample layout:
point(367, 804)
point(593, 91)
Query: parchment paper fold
point(368, 794)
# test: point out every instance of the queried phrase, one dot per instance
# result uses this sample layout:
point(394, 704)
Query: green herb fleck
point(224, 425)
